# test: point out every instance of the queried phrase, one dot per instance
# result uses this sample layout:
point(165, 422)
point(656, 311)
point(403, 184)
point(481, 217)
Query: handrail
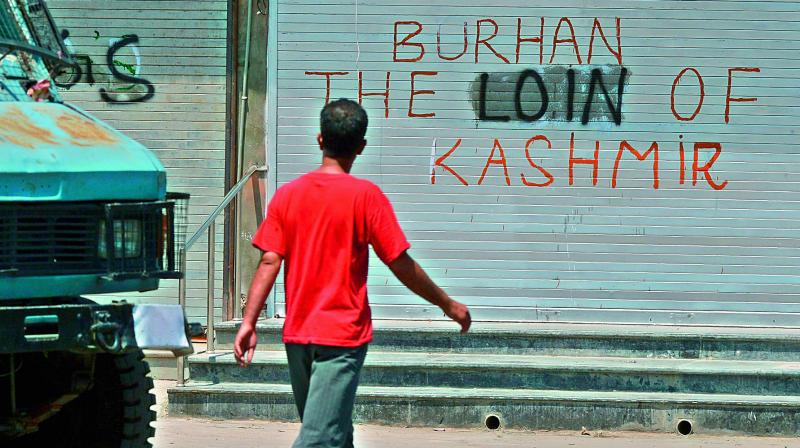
point(225, 201)
point(209, 225)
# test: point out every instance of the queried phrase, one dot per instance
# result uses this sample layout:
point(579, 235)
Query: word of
point(483, 38)
point(594, 162)
point(701, 97)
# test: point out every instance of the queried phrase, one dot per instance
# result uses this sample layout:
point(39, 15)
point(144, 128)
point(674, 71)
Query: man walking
point(321, 225)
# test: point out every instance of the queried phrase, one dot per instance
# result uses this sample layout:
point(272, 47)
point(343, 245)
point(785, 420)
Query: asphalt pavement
point(181, 432)
point(184, 432)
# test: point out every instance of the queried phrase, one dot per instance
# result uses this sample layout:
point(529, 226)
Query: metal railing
point(210, 226)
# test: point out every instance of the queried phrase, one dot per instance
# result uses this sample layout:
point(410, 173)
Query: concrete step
point(518, 409)
point(528, 372)
point(634, 341)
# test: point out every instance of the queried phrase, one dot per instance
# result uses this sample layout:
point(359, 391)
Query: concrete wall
point(157, 72)
point(626, 161)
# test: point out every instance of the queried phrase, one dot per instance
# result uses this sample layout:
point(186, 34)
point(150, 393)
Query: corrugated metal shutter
point(176, 51)
point(573, 250)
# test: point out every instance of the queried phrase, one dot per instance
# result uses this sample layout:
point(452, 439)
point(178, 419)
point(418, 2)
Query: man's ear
point(361, 148)
point(321, 143)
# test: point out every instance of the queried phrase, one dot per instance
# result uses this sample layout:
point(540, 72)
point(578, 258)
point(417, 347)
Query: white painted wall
point(181, 53)
point(682, 253)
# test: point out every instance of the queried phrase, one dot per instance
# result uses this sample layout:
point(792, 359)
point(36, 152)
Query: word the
point(384, 93)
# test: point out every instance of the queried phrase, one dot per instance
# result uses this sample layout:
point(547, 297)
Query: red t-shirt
point(321, 225)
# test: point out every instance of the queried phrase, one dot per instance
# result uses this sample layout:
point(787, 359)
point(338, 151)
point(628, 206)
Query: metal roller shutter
point(176, 51)
point(700, 230)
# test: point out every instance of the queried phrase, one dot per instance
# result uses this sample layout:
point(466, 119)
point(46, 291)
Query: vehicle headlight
point(127, 238)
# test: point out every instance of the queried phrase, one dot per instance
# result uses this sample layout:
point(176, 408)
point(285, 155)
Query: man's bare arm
point(264, 279)
point(411, 274)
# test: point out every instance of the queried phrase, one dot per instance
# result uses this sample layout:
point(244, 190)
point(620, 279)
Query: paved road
point(181, 432)
point(174, 432)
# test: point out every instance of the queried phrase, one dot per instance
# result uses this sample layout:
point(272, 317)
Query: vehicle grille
point(49, 239)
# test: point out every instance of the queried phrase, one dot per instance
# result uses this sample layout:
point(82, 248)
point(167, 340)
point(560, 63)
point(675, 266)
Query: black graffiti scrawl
point(112, 67)
point(551, 93)
point(133, 88)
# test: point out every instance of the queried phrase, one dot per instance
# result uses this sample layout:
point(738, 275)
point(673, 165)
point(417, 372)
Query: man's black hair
point(343, 124)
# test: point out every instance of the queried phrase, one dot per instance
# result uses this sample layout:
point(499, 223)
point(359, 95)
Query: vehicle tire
point(126, 395)
point(114, 413)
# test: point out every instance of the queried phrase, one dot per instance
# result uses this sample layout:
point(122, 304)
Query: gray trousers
point(324, 382)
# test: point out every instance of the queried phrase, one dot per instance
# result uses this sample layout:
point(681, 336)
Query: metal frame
point(75, 327)
point(52, 28)
point(152, 261)
point(56, 59)
point(231, 163)
point(141, 210)
point(210, 226)
point(240, 125)
point(271, 114)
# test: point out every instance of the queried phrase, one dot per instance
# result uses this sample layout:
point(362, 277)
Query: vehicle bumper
point(115, 328)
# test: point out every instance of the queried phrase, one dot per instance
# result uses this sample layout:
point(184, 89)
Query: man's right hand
point(244, 346)
point(459, 313)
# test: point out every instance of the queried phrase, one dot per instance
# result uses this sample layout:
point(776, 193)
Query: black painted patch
point(551, 93)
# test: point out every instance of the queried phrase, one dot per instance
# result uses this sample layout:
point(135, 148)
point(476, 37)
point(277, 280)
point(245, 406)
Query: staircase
point(531, 376)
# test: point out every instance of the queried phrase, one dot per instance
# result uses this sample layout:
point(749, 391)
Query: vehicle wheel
point(115, 412)
point(125, 394)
